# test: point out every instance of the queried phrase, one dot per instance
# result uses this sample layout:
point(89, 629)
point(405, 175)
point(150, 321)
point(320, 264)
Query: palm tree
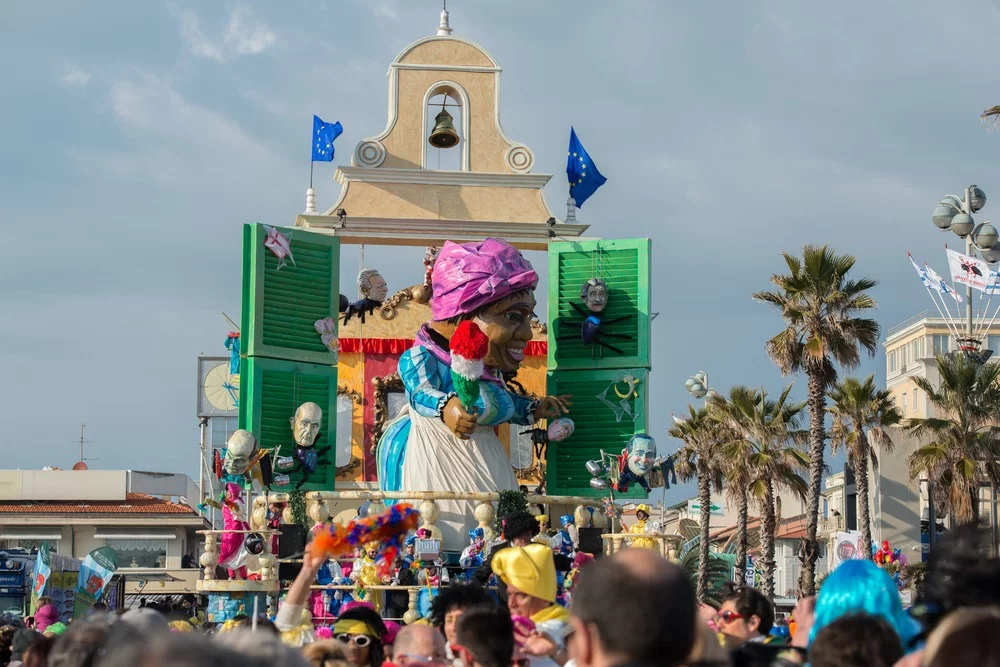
point(820, 307)
point(963, 438)
point(698, 458)
point(862, 415)
point(717, 574)
point(765, 455)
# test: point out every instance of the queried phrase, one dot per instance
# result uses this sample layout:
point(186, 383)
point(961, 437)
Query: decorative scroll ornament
point(327, 329)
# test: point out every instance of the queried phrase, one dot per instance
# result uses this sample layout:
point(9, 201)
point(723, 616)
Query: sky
point(137, 138)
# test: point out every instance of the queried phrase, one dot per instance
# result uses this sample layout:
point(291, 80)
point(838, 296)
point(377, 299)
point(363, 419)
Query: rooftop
point(134, 503)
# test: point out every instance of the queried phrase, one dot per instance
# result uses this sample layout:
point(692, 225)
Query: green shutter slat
point(596, 429)
point(624, 265)
point(272, 389)
point(281, 306)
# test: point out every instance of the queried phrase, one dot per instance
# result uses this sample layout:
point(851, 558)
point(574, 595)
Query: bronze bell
point(444, 134)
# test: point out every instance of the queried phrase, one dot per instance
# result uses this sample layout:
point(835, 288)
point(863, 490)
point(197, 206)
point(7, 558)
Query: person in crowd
point(529, 573)
point(746, 615)
point(801, 622)
point(857, 640)
point(20, 643)
point(519, 530)
point(484, 637)
point(265, 647)
point(46, 614)
point(327, 653)
point(961, 573)
point(419, 645)
point(707, 651)
point(7, 633)
point(967, 636)
point(145, 619)
point(451, 602)
point(654, 619)
point(360, 631)
point(37, 655)
point(83, 641)
point(862, 586)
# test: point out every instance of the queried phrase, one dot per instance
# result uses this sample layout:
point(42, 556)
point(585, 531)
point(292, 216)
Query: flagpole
point(310, 193)
point(948, 320)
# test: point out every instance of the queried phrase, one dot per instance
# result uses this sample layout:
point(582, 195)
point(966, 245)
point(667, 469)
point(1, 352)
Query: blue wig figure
point(862, 586)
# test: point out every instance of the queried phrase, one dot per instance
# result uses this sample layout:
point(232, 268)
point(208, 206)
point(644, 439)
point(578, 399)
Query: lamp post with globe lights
point(955, 214)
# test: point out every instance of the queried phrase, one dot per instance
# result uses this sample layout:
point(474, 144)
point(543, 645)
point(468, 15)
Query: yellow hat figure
point(530, 569)
point(639, 528)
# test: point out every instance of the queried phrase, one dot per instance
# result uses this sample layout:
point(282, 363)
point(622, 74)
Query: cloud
point(386, 11)
point(75, 76)
point(165, 130)
point(199, 43)
point(245, 35)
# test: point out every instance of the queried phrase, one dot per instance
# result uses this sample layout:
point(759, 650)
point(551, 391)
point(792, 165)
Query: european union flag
point(324, 134)
point(584, 178)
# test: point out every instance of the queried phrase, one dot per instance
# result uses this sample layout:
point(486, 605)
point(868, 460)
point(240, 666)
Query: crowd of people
point(632, 609)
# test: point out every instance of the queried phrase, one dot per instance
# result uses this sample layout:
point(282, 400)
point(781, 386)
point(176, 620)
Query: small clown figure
point(569, 536)
point(472, 556)
point(639, 528)
point(409, 551)
point(543, 536)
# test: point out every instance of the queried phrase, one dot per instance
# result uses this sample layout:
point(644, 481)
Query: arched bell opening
point(446, 118)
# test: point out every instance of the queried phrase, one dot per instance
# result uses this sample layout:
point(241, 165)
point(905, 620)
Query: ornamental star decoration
point(321, 149)
point(583, 172)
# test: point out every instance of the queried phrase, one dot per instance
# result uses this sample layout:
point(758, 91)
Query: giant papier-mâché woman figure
point(435, 444)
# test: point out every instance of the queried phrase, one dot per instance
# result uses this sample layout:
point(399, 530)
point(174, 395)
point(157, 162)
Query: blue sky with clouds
point(138, 137)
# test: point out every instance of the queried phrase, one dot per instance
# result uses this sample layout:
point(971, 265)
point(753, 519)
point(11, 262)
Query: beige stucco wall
point(445, 202)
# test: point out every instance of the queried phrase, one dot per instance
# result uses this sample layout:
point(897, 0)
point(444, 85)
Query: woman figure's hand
point(458, 421)
point(551, 407)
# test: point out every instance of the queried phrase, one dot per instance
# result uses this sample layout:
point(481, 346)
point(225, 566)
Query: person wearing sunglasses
point(360, 631)
point(745, 616)
point(529, 573)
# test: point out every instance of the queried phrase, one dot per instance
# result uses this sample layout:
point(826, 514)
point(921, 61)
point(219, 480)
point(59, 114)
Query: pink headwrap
point(471, 275)
point(391, 630)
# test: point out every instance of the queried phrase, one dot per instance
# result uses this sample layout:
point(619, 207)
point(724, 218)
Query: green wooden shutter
point(597, 427)
point(624, 265)
point(286, 363)
point(281, 306)
point(586, 371)
point(272, 389)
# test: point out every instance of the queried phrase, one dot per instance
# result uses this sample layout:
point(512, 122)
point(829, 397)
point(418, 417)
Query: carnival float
point(446, 392)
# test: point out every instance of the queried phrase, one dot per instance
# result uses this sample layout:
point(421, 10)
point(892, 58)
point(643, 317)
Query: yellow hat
point(643, 507)
point(531, 569)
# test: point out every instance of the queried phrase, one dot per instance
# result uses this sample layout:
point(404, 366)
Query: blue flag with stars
point(584, 178)
point(324, 134)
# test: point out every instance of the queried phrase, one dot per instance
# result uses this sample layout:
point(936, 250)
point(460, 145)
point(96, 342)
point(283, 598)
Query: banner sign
point(95, 573)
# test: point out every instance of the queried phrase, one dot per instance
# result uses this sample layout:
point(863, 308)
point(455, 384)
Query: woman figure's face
point(507, 323)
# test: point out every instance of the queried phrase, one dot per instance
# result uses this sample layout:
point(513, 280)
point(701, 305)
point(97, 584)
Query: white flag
point(941, 285)
point(971, 271)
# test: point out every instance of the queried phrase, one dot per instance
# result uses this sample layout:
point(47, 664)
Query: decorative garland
point(511, 502)
point(297, 503)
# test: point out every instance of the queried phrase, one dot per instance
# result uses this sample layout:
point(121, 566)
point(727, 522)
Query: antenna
point(83, 441)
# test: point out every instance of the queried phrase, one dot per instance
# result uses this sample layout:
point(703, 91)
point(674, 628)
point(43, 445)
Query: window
point(139, 552)
point(892, 361)
point(993, 343)
point(345, 426)
point(941, 343)
point(219, 430)
point(904, 402)
point(522, 449)
point(28, 544)
point(916, 400)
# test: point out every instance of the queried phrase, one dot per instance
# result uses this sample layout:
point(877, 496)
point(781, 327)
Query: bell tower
point(392, 193)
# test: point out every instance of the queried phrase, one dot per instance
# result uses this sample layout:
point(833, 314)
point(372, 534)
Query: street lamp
point(955, 214)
